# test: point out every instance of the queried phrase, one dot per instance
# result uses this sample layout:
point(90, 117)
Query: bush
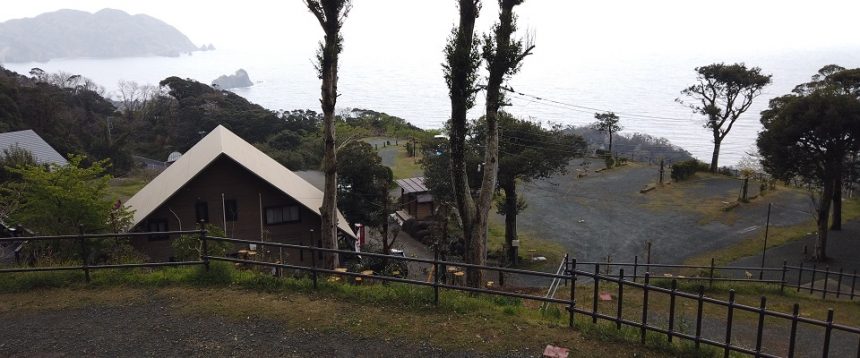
point(686, 169)
point(189, 247)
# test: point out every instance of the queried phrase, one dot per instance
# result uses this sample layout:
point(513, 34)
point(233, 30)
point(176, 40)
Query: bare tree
point(330, 14)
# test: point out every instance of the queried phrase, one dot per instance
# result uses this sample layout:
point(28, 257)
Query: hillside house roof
point(220, 142)
point(32, 142)
point(412, 185)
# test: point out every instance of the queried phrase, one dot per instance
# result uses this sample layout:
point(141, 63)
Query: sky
point(669, 26)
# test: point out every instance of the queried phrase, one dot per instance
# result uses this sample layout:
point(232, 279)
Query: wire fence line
point(632, 287)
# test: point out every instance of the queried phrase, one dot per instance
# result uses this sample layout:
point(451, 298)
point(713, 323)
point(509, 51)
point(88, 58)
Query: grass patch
point(125, 188)
point(406, 166)
point(777, 236)
point(554, 252)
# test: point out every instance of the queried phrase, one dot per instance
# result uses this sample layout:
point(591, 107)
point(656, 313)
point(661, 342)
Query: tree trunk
point(511, 211)
point(823, 216)
point(716, 156)
point(610, 141)
point(836, 224)
point(328, 73)
point(460, 93)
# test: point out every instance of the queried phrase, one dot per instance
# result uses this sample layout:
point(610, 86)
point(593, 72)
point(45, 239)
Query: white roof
point(222, 141)
point(29, 140)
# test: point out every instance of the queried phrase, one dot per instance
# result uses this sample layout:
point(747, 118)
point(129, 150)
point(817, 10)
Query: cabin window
point(157, 225)
point(282, 214)
point(231, 210)
point(201, 208)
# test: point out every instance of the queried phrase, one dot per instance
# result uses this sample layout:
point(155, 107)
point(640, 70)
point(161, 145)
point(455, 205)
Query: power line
point(587, 109)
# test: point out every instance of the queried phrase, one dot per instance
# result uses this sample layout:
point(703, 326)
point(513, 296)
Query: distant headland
point(107, 33)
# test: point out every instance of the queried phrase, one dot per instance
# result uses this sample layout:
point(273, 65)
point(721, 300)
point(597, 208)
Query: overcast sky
point(560, 26)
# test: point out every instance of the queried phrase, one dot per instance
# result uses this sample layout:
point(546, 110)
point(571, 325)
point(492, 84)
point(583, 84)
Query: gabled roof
point(219, 142)
point(412, 185)
point(32, 142)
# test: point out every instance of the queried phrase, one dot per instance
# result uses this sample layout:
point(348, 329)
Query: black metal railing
point(624, 284)
point(83, 244)
point(845, 286)
point(627, 289)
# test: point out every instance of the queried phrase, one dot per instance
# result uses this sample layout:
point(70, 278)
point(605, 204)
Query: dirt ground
point(155, 329)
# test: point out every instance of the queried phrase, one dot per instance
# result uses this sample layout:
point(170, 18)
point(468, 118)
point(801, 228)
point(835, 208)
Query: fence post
point(642, 329)
point(729, 316)
point(853, 281)
point(635, 266)
point(436, 274)
point(596, 287)
point(620, 298)
point(799, 276)
point(782, 280)
point(792, 337)
point(699, 303)
point(84, 253)
point(314, 262)
point(572, 303)
point(839, 283)
point(566, 267)
point(826, 276)
point(760, 329)
point(205, 244)
point(711, 279)
point(672, 308)
point(827, 330)
point(812, 283)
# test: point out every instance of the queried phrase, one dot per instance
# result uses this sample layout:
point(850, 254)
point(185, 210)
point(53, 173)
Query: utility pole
point(661, 171)
point(764, 249)
point(744, 189)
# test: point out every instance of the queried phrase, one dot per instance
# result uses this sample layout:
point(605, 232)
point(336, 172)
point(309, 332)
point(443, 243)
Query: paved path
point(604, 214)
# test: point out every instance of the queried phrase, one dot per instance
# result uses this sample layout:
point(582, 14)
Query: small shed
point(415, 198)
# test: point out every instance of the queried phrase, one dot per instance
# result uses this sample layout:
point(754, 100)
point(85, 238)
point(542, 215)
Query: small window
point(231, 210)
point(282, 214)
point(202, 211)
point(157, 225)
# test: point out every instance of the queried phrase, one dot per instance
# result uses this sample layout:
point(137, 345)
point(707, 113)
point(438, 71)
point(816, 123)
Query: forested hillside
point(72, 114)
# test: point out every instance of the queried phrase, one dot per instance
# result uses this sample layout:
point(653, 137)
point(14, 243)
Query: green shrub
point(189, 247)
point(684, 170)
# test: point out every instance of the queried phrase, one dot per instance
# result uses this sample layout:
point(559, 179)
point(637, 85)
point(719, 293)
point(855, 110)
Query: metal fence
point(670, 330)
point(845, 285)
point(83, 244)
point(624, 286)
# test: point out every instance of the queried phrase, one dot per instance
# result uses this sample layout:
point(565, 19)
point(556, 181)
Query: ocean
point(641, 87)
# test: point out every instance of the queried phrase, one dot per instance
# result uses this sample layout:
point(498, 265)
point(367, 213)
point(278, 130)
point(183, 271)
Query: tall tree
point(723, 93)
point(809, 136)
point(330, 14)
point(607, 122)
point(462, 60)
point(529, 152)
point(839, 80)
point(363, 188)
point(504, 55)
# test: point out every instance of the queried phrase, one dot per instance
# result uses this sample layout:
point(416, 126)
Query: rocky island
point(107, 33)
point(239, 79)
